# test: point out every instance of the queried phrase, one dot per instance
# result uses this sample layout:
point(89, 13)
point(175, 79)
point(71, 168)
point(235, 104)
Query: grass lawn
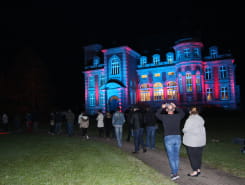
point(223, 126)
point(60, 160)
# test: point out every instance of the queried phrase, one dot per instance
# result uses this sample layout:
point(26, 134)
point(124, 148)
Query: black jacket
point(137, 120)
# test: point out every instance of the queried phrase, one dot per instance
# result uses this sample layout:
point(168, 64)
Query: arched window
point(188, 78)
point(143, 60)
point(170, 57)
point(171, 91)
point(145, 92)
point(156, 58)
point(158, 91)
point(115, 65)
point(213, 51)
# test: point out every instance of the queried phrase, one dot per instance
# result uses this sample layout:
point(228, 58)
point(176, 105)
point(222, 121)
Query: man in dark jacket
point(151, 126)
point(137, 124)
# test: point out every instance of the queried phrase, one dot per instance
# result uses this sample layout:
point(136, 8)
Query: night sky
point(57, 33)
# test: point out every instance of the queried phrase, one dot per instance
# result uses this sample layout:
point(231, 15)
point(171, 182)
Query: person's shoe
point(174, 177)
point(134, 152)
point(193, 174)
point(144, 150)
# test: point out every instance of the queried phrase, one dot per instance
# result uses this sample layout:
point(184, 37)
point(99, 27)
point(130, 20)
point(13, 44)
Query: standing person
point(70, 118)
point(5, 121)
point(172, 138)
point(137, 124)
point(128, 114)
point(194, 139)
point(29, 122)
point(118, 120)
point(83, 121)
point(150, 123)
point(100, 123)
point(52, 123)
point(108, 125)
point(58, 122)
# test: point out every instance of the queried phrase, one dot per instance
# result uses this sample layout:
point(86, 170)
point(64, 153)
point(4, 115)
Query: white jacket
point(194, 131)
point(100, 120)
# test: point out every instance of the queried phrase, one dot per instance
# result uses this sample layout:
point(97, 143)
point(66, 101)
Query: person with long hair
point(194, 139)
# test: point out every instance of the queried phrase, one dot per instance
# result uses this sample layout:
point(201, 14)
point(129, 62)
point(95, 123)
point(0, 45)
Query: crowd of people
point(141, 125)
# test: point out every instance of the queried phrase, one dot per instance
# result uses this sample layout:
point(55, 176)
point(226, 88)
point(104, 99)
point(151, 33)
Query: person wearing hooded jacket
point(83, 121)
point(194, 139)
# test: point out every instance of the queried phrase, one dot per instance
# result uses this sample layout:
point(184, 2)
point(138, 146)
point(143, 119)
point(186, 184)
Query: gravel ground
point(157, 159)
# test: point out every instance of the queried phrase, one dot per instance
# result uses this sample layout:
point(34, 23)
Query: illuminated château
point(122, 77)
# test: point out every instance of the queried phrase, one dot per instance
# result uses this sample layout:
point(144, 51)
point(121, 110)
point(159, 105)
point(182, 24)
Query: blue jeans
point(150, 137)
point(70, 129)
point(118, 133)
point(138, 139)
point(172, 144)
point(58, 127)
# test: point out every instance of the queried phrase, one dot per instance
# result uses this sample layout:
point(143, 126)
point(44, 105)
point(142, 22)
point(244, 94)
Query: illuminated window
point(171, 91)
point(188, 79)
point(101, 99)
point(144, 76)
point(115, 65)
point(187, 52)
point(224, 93)
point(145, 93)
point(156, 58)
point(157, 74)
point(158, 91)
point(96, 60)
point(143, 60)
point(198, 82)
point(208, 73)
point(102, 80)
point(213, 51)
point(223, 72)
point(170, 57)
point(91, 81)
point(179, 55)
point(92, 99)
point(209, 93)
point(196, 52)
point(170, 73)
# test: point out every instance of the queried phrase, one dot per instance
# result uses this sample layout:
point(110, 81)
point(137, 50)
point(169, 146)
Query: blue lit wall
point(122, 77)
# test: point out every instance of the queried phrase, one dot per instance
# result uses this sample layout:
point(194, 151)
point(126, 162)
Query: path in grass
point(157, 159)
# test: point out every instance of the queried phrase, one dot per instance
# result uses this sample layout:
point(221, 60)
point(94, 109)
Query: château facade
point(122, 77)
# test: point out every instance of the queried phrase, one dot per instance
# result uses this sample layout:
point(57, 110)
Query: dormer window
point(156, 58)
point(196, 52)
point(187, 52)
point(96, 60)
point(213, 51)
point(179, 55)
point(143, 60)
point(170, 57)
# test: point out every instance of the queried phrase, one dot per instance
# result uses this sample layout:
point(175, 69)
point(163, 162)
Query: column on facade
point(216, 82)
point(184, 87)
point(232, 83)
point(194, 87)
point(96, 89)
